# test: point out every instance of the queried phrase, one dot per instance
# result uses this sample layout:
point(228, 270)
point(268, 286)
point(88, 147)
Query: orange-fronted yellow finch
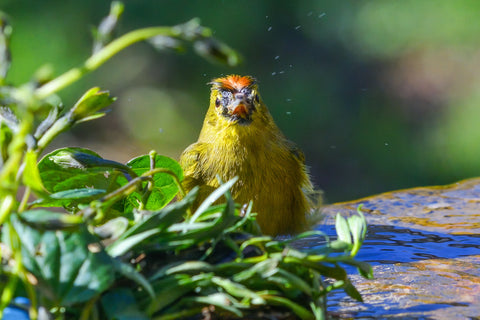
point(240, 138)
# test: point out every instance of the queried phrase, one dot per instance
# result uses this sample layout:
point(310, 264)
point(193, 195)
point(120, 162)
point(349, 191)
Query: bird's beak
point(239, 107)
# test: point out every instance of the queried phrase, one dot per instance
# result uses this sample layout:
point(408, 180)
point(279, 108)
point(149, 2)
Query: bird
point(240, 138)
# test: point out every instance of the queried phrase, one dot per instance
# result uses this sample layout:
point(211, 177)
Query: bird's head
point(235, 98)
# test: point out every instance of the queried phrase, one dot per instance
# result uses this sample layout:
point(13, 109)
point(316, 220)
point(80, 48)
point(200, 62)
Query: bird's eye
point(246, 90)
point(217, 103)
point(257, 98)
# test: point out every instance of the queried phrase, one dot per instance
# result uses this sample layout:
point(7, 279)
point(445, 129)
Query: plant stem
point(99, 58)
point(169, 172)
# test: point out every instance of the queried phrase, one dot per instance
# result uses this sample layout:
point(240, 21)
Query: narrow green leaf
point(48, 220)
point(220, 300)
point(343, 231)
point(121, 247)
point(68, 198)
point(238, 290)
point(130, 273)
point(263, 269)
point(189, 267)
point(300, 311)
point(164, 218)
point(214, 196)
point(352, 291)
point(295, 281)
point(169, 290)
point(120, 304)
point(31, 175)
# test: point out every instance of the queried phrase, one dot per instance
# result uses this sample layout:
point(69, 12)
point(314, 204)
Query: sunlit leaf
point(77, 168)
point(164, 187)
point(92, 101)
point(343, 231)
point(68, 198)
point(31, 175)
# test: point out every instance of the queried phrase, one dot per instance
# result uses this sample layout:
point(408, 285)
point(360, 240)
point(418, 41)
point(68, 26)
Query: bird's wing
point(190, 158)
point(190, 163)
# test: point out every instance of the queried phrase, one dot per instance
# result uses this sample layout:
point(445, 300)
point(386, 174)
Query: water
point(424, 247)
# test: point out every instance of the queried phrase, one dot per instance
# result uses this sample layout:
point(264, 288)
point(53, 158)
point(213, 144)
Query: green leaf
point(169, 290)
point(78, 168)
point(70, 197)
point(238, 290)
point(352, 291)
point(121, 247)
point(92, 101)
point(214, 196)
point(48, 220)
point(263, 269)
point(120, 304)
point(8, 126)
point(217, 51)
point(112, 229)
point(220, 300)
point(300, 311)
point(70, 267)
point(152, 224)
point(343, 231)
point(364, 268)
point(31, 175)
point(164, 187)
point(130, 273)
point(189, 267)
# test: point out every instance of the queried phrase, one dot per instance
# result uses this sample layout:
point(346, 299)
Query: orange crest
point(233, 82)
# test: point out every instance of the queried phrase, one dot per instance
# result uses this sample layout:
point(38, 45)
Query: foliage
point(103, 240)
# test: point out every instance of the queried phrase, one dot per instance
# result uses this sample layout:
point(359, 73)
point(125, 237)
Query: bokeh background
point(380, 95)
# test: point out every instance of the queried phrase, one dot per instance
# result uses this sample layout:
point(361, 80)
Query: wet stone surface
point(424, 246)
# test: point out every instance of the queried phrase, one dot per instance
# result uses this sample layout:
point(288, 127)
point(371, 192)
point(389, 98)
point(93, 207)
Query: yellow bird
point(240, 138)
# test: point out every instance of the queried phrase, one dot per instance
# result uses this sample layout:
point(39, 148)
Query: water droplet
point(269, 29)
point(290, 65)
point(288, 113)
point(266, 17)
point(274, 73)
point(386, 143)
point(160, 130)
point(321, 15)
point(297, 27)
point(288, 99)
point(277, 57)
point(281, 72)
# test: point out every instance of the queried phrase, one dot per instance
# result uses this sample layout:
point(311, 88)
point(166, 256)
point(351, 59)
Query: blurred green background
point(380, 95)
